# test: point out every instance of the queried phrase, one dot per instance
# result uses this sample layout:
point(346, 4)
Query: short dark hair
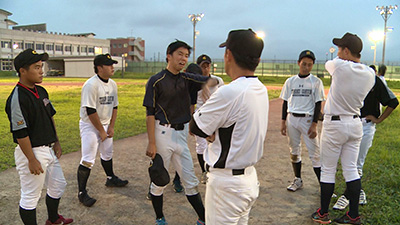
point(96, 70)
point(355, 54)
point(175, 45)
point(382, 70)
point(373, 67)
point(26, 67)
point(245, 61)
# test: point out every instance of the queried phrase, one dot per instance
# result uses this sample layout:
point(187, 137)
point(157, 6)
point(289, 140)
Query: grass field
point(381, 172)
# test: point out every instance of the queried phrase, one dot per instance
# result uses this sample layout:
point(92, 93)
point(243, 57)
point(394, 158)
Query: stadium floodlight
point(386, 12)
point(260, 34)
point(195, 18)
point(375, 36)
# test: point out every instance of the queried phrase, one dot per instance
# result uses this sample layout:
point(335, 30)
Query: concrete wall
point(83, 67)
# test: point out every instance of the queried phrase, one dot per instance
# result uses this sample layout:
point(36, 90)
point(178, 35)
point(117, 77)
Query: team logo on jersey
point(46, 101)
point(21, 122)
point(106, 100)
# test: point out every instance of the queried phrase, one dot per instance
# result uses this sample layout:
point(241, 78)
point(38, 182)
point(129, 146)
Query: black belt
point(179, 126)
point(366, 120)
point(298, 114)
point(235, 172)
point(338, 117)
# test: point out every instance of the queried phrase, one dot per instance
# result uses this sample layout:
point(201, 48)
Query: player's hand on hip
point(110, 132)
point(103, 135)
point(373, 119)
point(283, 128)
point(211, 138)
point(57, 149)
point(312, 132)
point(151, 150)
point(35, 167)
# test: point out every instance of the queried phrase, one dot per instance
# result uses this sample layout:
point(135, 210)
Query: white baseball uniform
point(301, 95)
point(342, 127)
point(103, 97)
point(201, 143)
point(238, 115)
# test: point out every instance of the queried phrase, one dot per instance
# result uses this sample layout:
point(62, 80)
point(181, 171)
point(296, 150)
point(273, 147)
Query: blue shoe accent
point(200, 222)
point(178, 186)
point(161, 221)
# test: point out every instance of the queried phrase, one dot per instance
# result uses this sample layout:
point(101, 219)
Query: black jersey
point(379, 93)
point(168, 96)
point(30, 112)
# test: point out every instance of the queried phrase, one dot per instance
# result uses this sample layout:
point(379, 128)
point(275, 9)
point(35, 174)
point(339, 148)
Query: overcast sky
point(290, 25)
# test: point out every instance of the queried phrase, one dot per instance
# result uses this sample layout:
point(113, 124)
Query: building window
point(98, 50)
point(114, 45)
point(39, 46)
point(28, 45)
point(119, 45)
point(6, 65)
point(50, 47)
point(67, 48)
point(5, 44)
point(59, 48)
point(125, 45)
point(78, 49)
point(84, 49)
point(18, 45)
point(91, 50)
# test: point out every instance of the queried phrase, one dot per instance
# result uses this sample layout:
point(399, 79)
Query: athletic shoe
point(60, 220)
point(203, 178)
point(363, 198)
point(116, 182)
point(200, 222)
point(341, 203)
point(161, 221)
point(85, 199)
point(334, 195)
point(177, 186)
point(322, 219)
point(295, 185)
point(148, 196)
point(346, 219)
point(360, 172)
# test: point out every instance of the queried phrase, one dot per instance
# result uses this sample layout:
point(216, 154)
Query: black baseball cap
point(28, 57)
point(194, 68)
point(244, 42)
point(307, 53)
point(104, 59)
point(158, 174)
point(203, 58)
point(351, 41)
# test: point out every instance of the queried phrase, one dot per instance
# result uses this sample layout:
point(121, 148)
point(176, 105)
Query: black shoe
point(148, 196)
point(178, 186)
point(85, 199)
point(346, 219)
point(116, 182)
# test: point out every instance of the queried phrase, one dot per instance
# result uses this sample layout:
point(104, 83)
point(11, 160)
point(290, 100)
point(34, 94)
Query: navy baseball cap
point(104, 59)
point(350, 41)
point(28, 57)
point(194, 68)
point(307, 53)
point(158, 174)
point(244, 42)
point(203, 58)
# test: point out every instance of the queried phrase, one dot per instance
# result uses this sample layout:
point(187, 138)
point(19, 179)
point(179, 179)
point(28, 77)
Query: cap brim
point(222, 45)
point(111, 62)
point(45, 56)
point(337, 41)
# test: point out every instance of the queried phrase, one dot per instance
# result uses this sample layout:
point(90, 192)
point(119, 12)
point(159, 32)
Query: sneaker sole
point(322, 222)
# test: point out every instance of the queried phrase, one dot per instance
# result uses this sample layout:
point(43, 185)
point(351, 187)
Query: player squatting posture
point(36, 156)
point(98, 112)
point(235, 118)
point(342, 128)
point(302, 96)
point(168, 101)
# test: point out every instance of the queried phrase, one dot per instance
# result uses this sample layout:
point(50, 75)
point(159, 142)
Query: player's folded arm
point(196, 130)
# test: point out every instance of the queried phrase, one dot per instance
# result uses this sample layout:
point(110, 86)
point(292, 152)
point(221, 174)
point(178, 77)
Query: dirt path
point(129, 206)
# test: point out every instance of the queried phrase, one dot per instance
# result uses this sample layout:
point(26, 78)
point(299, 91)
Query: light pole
point(386, 12)
point(195, 18)
point(375, 36)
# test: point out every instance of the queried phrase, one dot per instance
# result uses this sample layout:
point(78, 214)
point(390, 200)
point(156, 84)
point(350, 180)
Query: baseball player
point(36, 156)
point(370, 116)
point(302, 96)
point(235, 118)
point(167, 101)
point(204, 61)
point(98, 112)
point(381, 73)
point(342, 127)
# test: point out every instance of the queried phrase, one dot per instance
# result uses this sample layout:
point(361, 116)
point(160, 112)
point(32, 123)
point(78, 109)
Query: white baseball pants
point(366, 142)
point(172, 146)
point(298, 127)
point(229, 198)
point(201, 145)
point(32, 185)
point(91, 143)
point(340, 138)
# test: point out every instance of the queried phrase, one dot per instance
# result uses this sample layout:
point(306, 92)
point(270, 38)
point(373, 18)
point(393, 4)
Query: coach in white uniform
point(235, 118)
point(302, 96)
point(342, 127)
point(98, 112)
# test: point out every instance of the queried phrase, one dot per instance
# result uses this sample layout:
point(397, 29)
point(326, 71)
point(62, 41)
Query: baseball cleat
point(322, 219)
point(148, 196)
point(60, 220)
point(346, 219)
point(161, 221)
point(341, 203)
point(85, 199)
point(363, 198)
point(116, 182)
point(200, 222)
point(295, 185)
point(203, 178)
point(177, 186)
